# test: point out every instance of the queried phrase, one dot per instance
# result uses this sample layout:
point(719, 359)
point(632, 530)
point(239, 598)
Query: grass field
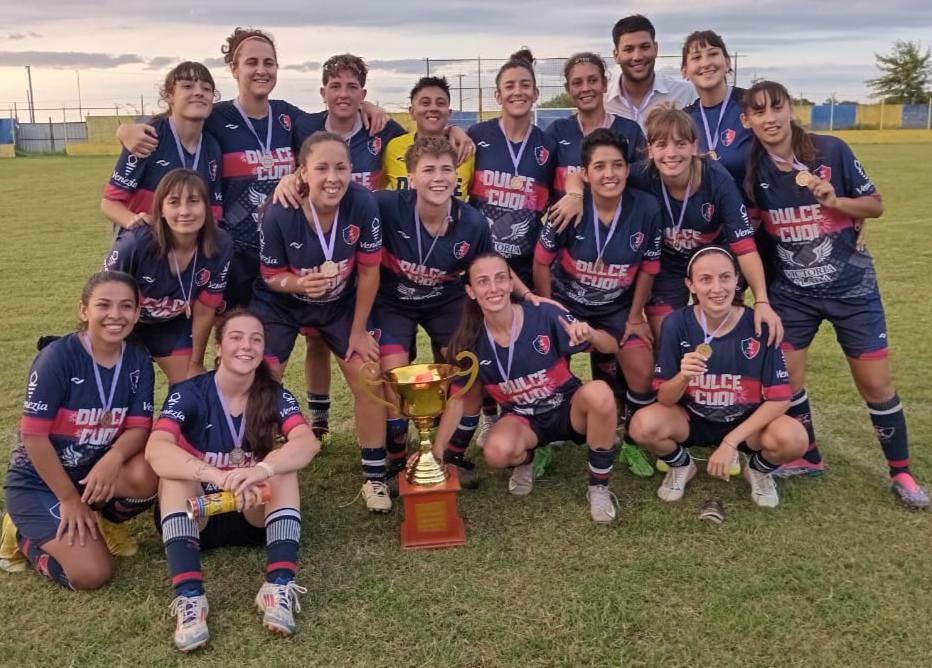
point(838, 575)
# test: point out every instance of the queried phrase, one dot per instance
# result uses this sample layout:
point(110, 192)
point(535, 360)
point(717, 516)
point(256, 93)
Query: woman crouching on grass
point(718, 384)
point(217, 431)
point(78, 469)
point(523, 352)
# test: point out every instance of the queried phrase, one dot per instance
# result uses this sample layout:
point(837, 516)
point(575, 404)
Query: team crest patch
point(285, 121)
point(376, 333)
point(351, 234)
point(542, 344)
point(375, 145)
point(750, 347)
point(708, 210)
point(884, 433)
point(824, 172)
point(542, 155)
point(636, 240)
point(728, 136)
point(212, 170)
point(202, 277)
point(460, 250)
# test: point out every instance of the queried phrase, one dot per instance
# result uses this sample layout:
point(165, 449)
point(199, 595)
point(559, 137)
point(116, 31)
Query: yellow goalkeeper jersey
point(395, 173)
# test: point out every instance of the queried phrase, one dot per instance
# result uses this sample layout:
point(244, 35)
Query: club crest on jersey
point(728, 136)
point(133, 381)
point(824, 172)
point(285, 121)
point(376, 333)
point(750, 347)
point(375, 145)
point(202, 277)
point(460, 250)
point(636, 240)
point(542, 344)
point(708, 210)
point(212, 169)
point(351, 234)
point(542, 155)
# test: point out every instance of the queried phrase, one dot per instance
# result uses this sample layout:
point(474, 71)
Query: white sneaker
point(191, 630)
point(376, 495)
point(279, 603)
point(521, 481)
point(486, 423)
point(674, 483)
point(763, 488)
point(602, 504)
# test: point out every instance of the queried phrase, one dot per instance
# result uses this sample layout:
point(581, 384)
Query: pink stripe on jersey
point(295, 420)
point(743, 246)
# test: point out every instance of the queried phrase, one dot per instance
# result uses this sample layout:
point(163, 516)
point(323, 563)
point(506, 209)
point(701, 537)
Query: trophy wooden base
point(431, 519)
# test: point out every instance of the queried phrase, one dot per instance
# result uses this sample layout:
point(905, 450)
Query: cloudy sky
point(119, 50)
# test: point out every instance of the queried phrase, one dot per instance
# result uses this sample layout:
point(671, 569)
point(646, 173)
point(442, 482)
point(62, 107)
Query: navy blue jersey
point(289, 242)
point(577, 278)
point(161, 291)
point(134, 180)
point(62, 403)
point(192, 412)
point(365, 150)
point(540, 378)
point(816, 253)
point(734, 140)
point(742, 373)
point(568, 138)
point(246, 180)
point(715, 214)
point(514, 207)
point(439, 279)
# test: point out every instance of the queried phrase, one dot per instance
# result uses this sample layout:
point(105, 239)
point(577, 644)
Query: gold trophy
point(428, 488)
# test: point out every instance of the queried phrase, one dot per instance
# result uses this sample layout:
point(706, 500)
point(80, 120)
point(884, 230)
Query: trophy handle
point(368, 383)
point(472, 372)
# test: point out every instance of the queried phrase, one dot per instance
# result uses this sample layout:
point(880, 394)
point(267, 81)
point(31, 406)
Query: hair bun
point(523, 54)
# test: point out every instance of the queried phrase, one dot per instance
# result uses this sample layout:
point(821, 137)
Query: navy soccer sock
point(890, 427)
point(181, 537)
point(282, 534)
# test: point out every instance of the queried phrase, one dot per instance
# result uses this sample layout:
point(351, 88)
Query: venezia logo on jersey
point(824, 172)
point(728, 136)
point(285, 121)
point(708, 210)
point(542, 344)
point(202, 277)
point(636, 240)
point(351, 234)
point(541, 154)
point(460, 250)
point(375, 145)
point(750, 347)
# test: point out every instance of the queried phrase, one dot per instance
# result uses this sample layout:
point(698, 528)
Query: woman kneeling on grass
point(216, 432)
point(78, 467)
point(523, 352)
point(719, 384)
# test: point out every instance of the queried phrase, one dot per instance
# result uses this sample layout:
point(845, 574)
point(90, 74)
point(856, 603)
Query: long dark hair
point(758, 97)
point(177, 181)
point(471, 319)
point(262, 402)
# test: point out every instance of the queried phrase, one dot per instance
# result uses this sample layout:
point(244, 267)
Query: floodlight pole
point(32, 102)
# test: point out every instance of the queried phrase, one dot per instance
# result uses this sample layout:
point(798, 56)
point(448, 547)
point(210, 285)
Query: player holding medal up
point(810, 189)
point(217, 431)
point(180, 264)
point(85, 420)
point(718, 382)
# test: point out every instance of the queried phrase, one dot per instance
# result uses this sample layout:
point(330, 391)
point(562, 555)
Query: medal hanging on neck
point(705, 348)
point(237, 454)
point(329, 268)
point(418, 226)
point(106, 418)
point(596, 224)
point(180, 148)
point(190, 293)
point(711, 139)
point(803, 176)
point(677, 222)
point(517, 181)
point(505, 371)
point(265, 156)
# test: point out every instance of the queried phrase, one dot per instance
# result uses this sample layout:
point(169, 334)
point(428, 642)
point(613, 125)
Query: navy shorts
point(283, 324)
point(859, 322)
point(708, 434)
point(523, 268)
point(669, 294)
point(34, 507)
point(613, 323)
point(553, 425)
point(395, 327)
point(167, 338)
point(241, 278)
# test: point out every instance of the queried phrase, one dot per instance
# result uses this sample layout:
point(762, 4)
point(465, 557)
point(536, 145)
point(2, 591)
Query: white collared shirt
point(666, 89)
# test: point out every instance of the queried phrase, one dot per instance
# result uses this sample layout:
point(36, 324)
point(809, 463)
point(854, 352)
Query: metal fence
point(48, 137)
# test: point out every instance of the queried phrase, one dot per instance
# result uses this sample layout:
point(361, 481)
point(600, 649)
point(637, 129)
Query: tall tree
point(905, 73)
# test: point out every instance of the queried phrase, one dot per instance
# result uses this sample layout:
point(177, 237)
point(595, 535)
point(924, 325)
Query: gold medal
point(713, 154)
point(329, 269)
point(803, 179)
point(705, 350)
point(267, 160)
point(105, 419)
point(517, 182)
point(599, 265)
point(237, 456)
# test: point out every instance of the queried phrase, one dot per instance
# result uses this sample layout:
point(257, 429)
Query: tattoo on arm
point(200, 469)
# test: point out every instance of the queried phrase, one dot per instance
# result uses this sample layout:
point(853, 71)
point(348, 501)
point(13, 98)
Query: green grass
point(838, 575)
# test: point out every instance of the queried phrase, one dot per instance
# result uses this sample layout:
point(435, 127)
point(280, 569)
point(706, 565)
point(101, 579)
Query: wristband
point(268, 468)
point(761, 301)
